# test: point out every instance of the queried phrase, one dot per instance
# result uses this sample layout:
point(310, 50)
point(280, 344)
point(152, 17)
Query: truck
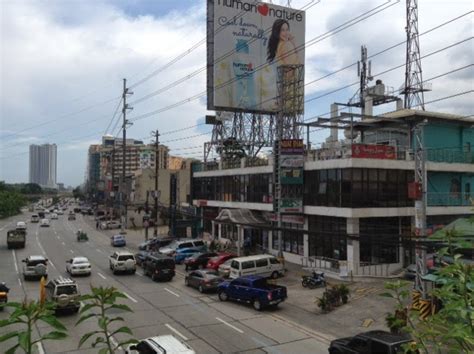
point(16, 239)
point(252, 289)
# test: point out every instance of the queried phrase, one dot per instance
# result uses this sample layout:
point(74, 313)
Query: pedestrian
point(97, 224)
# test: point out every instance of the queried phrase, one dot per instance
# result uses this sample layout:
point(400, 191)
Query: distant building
point(43, 165)
point(179, 163)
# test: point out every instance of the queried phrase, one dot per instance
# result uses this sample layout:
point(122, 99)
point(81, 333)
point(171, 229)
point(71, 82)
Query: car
point(122, 261)
point(35, 267)
point(54, 216)
point(159, 345)
point(140, 256)
point(44, 223)
point(263, 264)
point(181, 254)
point(41, 215)
point(78, 266)
point(71, 216)
point(64, 294)
point(176, 245)
point(155, 243)
point(224, 268)
point(380, 342)
point(21, 225)
point(34, 218)
point(60, 212)
point(198, 260)
point(252, 289)
point(109, 225)
point(159, 267)
point(203, 280)
point(118, 241)
point(410, 271)
point(216, 261)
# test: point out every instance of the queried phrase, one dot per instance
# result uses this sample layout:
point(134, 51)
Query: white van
point(264, 265)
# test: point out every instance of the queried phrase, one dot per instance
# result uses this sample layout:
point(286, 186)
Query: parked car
point(35, 267)
point(198, 260)
point(41, 215)
point(216, 261)
point(224, 268)
point(161, 344)
point(64, 294)
point(122, 261)
point(109, 225)
point(380, 342)
point(34, 218)
point(21, 225)
point(118, 241)
point(155, 243)
point(78, 266)
point(71, 216)
point(159, 267)
point(410, 271)
point(181, 244)
point(44, 223)
point(181, 254)
point(140, 257)
point(265, 265)
point(203, 280)
point(252, 289)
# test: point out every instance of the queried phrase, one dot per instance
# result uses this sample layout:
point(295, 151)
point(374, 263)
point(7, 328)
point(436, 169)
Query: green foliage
point(98, 304)
point(78, 193)
point(26, 315)
point(11, 203)
point(334, 296)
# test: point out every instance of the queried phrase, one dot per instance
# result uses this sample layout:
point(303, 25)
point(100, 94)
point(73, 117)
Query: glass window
point(273, 260)
point(248, 264)
point(261, 262)
point(235, 265)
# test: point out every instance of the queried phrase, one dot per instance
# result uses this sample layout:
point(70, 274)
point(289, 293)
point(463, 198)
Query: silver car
point(35, 267)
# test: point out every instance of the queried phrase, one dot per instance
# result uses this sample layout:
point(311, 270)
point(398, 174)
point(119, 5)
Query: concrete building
point(43, 165)
point(357, 215)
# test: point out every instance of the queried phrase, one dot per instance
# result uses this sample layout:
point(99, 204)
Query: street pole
point(124, 154)
point(157, 155)
point(146, 213)
point(111, 210)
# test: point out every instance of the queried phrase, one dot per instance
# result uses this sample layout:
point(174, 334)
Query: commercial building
point(358, 213)
point(43, 165)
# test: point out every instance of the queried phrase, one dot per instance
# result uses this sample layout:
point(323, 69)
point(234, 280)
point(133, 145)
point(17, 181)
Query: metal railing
point(370, 269)
point(255, 161)
point(319, 262)
point(455, 155)
point(450, 199)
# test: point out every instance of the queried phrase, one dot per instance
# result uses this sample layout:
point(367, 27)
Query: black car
point(203, 280)
point(155, 243)
point(198, 260)
point(140, 257)
point(379, 342)
point(159, 267)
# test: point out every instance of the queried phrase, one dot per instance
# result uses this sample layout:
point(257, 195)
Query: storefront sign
point(364, 151)
point(291, 219)
point(291, 176)
point(291, 205)
point(291, 147)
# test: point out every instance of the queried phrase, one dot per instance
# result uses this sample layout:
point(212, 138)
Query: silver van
point(264, 265)
point(171, 249)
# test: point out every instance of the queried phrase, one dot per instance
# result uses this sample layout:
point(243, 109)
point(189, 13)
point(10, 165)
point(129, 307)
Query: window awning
point(240, 216)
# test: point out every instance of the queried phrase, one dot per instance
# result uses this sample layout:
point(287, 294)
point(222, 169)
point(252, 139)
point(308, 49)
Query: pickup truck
point(252, 289)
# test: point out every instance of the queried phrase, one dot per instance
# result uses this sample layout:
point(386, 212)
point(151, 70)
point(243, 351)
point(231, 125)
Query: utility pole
point(113, 183)
point(123, 188)
point(156, 134)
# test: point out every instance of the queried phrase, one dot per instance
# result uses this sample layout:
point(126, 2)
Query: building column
point(353, 248)
point(219, 231)
point(239, 240)
point(270, 241)
point(213, 226)
point(306, 238)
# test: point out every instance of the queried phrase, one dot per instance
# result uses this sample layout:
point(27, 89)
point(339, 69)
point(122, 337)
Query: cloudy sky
point(62, 65)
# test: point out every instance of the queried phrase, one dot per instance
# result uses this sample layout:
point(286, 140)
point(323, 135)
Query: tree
point(451, 328)
point(77, 193)
point(10, 203)
point(104, 300)
point(27, 314)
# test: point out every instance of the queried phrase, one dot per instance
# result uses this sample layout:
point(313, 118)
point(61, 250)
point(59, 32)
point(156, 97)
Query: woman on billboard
point(281, 45)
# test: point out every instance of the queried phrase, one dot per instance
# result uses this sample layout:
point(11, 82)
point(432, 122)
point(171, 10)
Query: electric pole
point(156, 134)
point(123, 191)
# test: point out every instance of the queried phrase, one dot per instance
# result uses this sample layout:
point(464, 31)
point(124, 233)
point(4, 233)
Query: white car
point(60, 212)
point(54, 216)
point(109, 225)
point(122, 261)
point(161, 344)
point(21, 225)
point(44, 223)
point(78, 265)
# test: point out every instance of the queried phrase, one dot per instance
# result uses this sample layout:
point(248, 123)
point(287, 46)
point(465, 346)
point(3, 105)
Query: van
point(198, 245)
point(264, 265)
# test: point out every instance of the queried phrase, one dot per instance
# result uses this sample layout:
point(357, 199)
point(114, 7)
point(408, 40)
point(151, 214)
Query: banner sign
point(291, 205)
point(291, 219)
point(291, 147)
point(292, 161)
point(246, 41)
point(291, 175)
point(363, 151)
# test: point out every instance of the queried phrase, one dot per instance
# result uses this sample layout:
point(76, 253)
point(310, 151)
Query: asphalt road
point(201, 320)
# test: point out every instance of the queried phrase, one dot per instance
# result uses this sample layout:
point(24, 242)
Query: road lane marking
point(129, 297)
point(229, 325)
point(51, 262)
point(138, 273)
point(172, 292)
point(40, 348)
point(19, 282)
point(176, 331)
point(14, 259)
point(64, 244)
point(102, 276)
point(112, 340)
point(71, 251)
point(98, 250)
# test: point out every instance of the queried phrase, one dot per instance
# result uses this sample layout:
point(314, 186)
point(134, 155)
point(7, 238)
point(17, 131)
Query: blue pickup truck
point(252, 289)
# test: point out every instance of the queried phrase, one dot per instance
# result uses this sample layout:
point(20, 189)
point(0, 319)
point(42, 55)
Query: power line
point(113, 117)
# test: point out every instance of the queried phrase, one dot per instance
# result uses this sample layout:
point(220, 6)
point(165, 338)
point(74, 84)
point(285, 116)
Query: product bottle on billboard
point(243, 66)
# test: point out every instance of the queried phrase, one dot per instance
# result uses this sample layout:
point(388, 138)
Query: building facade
point(357, 215)
point(43, 165)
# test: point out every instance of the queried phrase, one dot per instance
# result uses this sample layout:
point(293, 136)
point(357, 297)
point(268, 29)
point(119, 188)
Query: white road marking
point(176, 331)
point(40, 348)
point(57, 237)
point(112, 340)
point(229, 325)
point(172, 292)
point(138, 273)
point(71, 251)
point(63, 243)
point(19, 282)
point(102, 276)
point(50, 262)
point(14, 259)
point(129, 297)
point(98, 250)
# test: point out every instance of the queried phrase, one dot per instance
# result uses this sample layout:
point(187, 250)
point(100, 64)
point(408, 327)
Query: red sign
point(363, 151)
point(201, 203)
point(414, 190)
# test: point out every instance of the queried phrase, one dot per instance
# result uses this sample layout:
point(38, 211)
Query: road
point(201, 320)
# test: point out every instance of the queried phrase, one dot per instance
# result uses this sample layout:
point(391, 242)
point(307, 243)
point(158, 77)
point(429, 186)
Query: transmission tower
point(414, 87)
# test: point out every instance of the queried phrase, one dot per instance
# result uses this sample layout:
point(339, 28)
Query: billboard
point(364, 151)
point(246, 42)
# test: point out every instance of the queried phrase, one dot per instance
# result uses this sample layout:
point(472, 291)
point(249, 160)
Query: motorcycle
point(3, 295)
point(313, 281)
